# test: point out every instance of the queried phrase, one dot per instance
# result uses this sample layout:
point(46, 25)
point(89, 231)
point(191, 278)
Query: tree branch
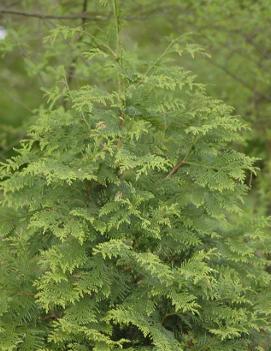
point(143, 15)
point(72, 68)
point(82, 16)
point(176, 168)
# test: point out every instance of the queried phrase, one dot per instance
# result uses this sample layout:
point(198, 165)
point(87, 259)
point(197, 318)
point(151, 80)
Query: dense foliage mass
point(123, 216)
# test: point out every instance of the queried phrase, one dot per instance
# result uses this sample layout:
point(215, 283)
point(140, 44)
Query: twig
point(184, 160)
point(82, 16)
point(118, 50)
point(95, 17)
point(176, 168)
point(72, 68)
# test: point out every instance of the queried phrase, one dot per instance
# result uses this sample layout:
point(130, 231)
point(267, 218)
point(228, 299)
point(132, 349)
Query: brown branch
point(82, 16)
point(77, 16)
point(184, 160)
point(176, 168)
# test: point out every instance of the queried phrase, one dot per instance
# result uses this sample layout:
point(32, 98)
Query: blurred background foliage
point(234, 33)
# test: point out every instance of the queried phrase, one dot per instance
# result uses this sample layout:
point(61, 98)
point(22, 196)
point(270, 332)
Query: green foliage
point(122, 216)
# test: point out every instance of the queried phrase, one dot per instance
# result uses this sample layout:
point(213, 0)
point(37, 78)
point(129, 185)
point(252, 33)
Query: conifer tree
point(121, 214)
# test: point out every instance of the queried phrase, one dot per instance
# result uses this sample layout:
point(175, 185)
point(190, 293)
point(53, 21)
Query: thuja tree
point(121, 215)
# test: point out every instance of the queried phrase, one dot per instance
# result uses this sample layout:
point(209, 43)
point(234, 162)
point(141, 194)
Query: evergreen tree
point(121, 214)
